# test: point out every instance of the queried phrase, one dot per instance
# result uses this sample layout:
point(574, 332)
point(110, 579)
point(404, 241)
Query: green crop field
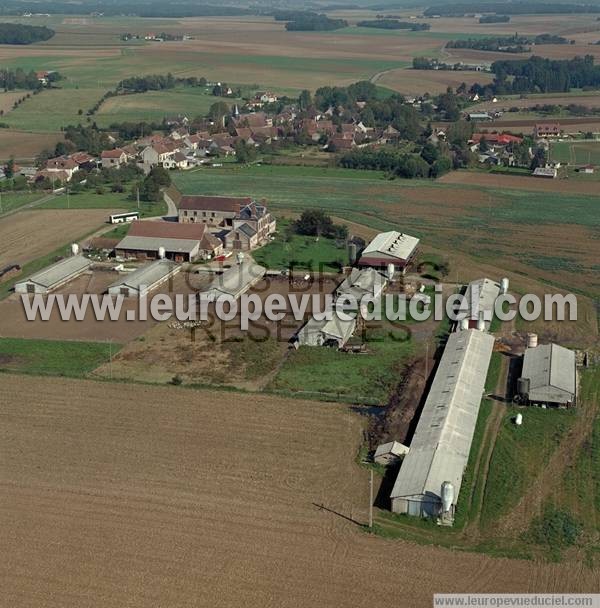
point(576, 152)
point(50, 357)
point(13, 200)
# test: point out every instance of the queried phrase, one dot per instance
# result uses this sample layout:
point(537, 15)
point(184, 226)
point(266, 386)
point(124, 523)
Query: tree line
point(507, 44)
point(314, 22)
point(16, 33)
point(11, 79)
point(394, 24)
point(460, 9)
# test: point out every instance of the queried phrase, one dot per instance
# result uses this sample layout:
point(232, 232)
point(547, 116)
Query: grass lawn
point(14, 200)
point(576, 153)
point(327, 373)
point(301, 252)
point(74, 359)
point(533, 443)
point(113, 201)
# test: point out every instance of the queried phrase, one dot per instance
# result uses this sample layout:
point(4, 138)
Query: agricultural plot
point(115, 469)
point(24, 146)
point(576, 152)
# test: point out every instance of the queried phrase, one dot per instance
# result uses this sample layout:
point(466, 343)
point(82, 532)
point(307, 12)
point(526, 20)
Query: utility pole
point(371, 500)
point(68, 199)
point(137, 196)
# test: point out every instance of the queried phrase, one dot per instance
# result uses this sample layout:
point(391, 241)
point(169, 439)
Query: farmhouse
point(235, 281)
point(549, 376)
point(390, 248)
point(334, 332)
point(54, 276)
point(440, 447)
point(243, 223)
point(548, 129)
point(144, 279)
point(180, 242)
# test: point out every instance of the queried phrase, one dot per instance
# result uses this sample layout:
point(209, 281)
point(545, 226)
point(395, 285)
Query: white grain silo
point(74, 249)
point(504, 286)
point(481, 323)
point(240, 258)
point(391, 270)
point(161, 253)
point(464, 324)
point(532, 340)
point(447, 496)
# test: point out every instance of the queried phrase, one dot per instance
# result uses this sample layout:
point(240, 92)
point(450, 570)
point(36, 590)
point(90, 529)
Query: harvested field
point(569, 125)
point(589, 99)
point(29, 235)
point(414, 82)
point(123, 495)
point(8, 98)
point(25, 145)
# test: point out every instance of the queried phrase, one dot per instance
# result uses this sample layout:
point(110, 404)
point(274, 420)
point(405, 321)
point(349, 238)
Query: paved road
point(172, 207)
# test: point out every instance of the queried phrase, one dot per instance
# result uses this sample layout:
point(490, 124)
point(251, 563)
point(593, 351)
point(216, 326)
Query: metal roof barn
point(479, 299)
point(389, 453)
point(440, 447)
point(186, 248)
point(236, 280)
point(333, 332)
point(552, 373)
point(144, 279)
point(389, 248)
point(362, 282)
point(54, 276)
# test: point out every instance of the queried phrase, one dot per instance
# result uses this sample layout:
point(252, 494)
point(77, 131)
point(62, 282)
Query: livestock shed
point(235, 281)
point(387, 248)
point(54, 276)
point(180, 242)
point(479, 302)
point(366, 282)
point(440, 447)
point(549, 376)
point(326, 332)
point(143, 280)
point(390, 453)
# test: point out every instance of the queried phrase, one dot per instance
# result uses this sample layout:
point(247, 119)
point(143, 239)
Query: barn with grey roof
point(54, 276)
point(549, 376)
point(439, 450)
point(143, 280)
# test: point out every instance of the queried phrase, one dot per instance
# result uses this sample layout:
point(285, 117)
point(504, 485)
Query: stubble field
point(115, 495)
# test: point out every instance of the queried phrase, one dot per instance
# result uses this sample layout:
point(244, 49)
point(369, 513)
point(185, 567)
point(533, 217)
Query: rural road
point(171, 206)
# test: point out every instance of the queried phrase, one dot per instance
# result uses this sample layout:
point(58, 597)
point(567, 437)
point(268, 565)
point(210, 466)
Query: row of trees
point(314, 22)
point(394, 24)
point(20, 79)
point(507, 44)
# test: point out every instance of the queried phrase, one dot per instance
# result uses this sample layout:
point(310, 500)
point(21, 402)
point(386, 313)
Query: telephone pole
point(371, 500)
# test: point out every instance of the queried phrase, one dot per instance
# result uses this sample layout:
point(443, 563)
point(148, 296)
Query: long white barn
point(440, 447)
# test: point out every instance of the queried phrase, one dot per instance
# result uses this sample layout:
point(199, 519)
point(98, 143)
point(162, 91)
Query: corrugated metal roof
point(552, 373)
point(480, 298)
point(59, 272)
point(149, 243)
point(235, 280)
point(147, 275)
point(394, 244)
point(440, 447)
point(336, 327)
point(362, 282)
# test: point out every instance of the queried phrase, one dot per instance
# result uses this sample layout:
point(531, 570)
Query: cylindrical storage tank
point(391, 270)
point(447, 496)
point(464, 324)
point(240, 257)
point(532, 340)
point(480, 324)
point(74, 248)
point(523, 385)
point(352, 252)
point(162, 253)
point(519, 419)
point(504, 285)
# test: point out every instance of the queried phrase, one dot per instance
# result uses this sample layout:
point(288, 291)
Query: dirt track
point(117, 495)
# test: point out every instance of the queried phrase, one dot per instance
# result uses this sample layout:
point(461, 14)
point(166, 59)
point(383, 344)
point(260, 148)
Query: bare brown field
point(136, 496)
point(7, 99)
point(29, 235)
point(413, 82)
point(25, 145)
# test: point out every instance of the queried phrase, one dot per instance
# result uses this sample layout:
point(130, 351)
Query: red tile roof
point(116, 153)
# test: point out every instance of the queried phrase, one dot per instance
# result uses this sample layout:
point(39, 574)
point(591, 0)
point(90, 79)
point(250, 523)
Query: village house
point(545, 130)
point(113, 158)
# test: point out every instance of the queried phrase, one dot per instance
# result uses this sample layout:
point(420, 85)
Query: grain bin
point(447, 496)
point(504, 286)
point(532, 340)
point(519, 419)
